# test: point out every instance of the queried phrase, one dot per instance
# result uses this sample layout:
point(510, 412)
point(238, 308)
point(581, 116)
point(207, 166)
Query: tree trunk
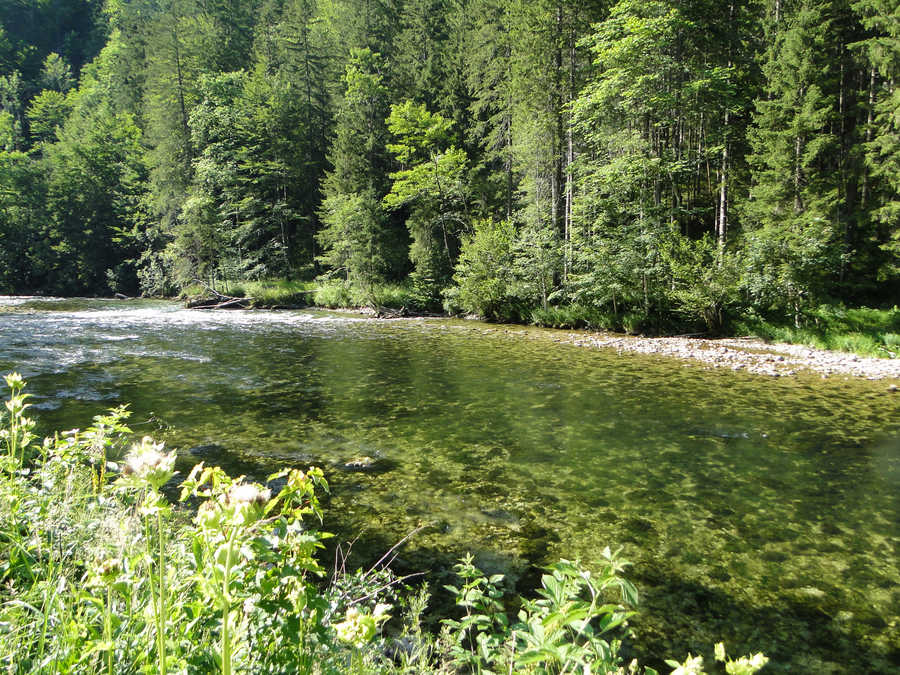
point(722, 224)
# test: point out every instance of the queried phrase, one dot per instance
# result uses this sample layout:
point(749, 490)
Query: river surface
point(763, 512)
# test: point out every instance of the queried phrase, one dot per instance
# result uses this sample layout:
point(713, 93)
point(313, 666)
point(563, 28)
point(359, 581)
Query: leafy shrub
point(487, 273)
point(573, 316)
point(704, 280)
point(634, 322)
point(333, 294)
point(570, 627)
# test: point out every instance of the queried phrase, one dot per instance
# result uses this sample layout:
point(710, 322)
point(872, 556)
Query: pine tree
point(359, 239)
point(881, 50)
point(798, 229)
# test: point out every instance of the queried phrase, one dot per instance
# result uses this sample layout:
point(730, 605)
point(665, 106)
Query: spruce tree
point(796, 221)
point(881, 51)
point(359, 240)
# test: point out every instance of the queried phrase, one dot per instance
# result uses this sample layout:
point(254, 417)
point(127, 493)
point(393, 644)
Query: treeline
point(651, 160)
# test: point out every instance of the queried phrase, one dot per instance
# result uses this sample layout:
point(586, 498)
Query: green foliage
point(341, 294)
point(575, 316)
point(358, 238)
point(431, 185)
point(704, 280)
point(573, 624)
point(295, 138)
point(95, 184)
point(355, 231)
point(881, 48)
point(275, 292)
point(47, 114)
point(868, 332)
point(486, 275)
point(333, 294)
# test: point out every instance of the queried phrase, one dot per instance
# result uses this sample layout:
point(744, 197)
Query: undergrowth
point(864, 331)
point(341, 294)
point(102, 573)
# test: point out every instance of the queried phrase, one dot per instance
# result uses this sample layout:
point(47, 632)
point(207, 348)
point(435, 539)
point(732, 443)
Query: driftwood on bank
point(216, 300)
point(388, 313)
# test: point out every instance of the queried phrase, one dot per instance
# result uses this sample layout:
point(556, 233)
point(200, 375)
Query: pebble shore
point(750, 355)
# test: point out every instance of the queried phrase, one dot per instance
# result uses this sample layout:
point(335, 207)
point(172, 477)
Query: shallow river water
point(762, 512)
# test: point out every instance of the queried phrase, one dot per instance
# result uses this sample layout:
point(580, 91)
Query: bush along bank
point(102, 573)
point(867, 332)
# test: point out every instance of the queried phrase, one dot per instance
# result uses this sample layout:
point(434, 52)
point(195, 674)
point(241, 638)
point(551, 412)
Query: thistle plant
point(17, 436)
point(146, 469)
point(745, 665)
point(240, 522)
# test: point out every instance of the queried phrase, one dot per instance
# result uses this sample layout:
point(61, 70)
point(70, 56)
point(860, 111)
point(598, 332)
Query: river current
point(761, 512)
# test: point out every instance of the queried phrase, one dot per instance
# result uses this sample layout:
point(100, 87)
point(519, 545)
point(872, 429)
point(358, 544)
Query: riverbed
point(759, 511)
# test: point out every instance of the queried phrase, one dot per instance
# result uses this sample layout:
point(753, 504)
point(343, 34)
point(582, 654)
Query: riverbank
point(859, 331)
point(750, 355)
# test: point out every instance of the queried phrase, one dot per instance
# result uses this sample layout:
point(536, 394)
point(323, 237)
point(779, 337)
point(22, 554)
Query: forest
point(652, 163)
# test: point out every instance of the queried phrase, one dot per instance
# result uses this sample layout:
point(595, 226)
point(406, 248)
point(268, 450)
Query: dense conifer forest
point(663, 162)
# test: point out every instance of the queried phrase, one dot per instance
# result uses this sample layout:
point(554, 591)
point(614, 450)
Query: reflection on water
point(762, 512)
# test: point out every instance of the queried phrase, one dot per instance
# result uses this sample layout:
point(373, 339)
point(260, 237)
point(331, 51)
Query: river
point(762, 512)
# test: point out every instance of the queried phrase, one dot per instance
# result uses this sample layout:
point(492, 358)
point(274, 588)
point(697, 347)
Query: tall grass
point(341, 294)
point(864, 331)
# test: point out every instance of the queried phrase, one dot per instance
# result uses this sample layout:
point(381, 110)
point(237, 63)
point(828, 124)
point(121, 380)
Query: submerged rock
point(363, 463)
point(367, 464)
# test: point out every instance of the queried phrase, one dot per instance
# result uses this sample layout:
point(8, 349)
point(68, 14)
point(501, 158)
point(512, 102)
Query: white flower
point(746, 665)
point(693, 665)
point(720, 651)
point(14, 381)
point(249, 493)
point(148, 463)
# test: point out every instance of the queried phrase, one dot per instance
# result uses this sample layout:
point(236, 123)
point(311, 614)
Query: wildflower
point(240, 506)
point(720, 651)
point(147, 464)
point(110, 569)
point(245, 502)
point(693, 665)
point(746, 665)
point(14, 381)
point(356, 628)
point(248, 493)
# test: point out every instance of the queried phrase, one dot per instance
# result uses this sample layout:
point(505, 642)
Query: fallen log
point(228, 303)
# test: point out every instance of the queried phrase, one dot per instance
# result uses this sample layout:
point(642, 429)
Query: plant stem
point(107, 631)
point(226, 606)
point(161, 606)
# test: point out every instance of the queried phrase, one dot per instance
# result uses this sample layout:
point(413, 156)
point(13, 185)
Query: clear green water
point(762, 512)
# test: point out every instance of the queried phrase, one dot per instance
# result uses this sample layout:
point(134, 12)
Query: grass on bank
point(331, 294)
point(266, 293)
point(863, 331)
point(102, 573)
point(340, 294)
